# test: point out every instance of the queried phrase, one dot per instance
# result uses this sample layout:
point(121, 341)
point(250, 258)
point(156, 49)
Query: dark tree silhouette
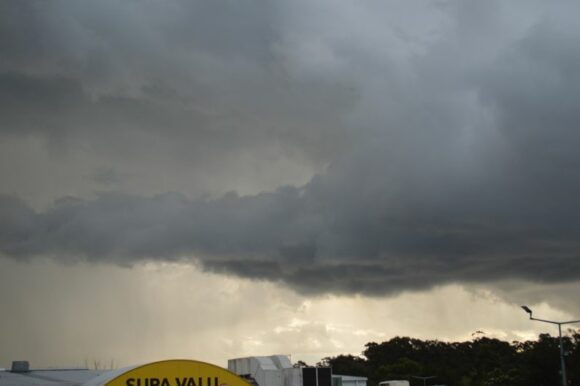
point(480, 362)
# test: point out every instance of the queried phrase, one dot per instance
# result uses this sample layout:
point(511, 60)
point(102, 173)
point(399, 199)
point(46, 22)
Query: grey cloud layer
point(184, 89)
point(452, 154)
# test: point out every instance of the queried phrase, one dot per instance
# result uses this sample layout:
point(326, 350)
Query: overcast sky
point(224, 178)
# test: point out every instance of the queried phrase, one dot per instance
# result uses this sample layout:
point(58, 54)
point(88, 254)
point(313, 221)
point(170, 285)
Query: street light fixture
point(424, 378)
point(562, 363)
point(527, 309)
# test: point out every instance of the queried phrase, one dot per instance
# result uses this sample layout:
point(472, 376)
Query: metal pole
point(562, 362)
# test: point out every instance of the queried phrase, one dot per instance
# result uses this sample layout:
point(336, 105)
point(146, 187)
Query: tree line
point(480, 362)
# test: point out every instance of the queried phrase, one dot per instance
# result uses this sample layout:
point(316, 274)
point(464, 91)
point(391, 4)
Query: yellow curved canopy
point(177, 372)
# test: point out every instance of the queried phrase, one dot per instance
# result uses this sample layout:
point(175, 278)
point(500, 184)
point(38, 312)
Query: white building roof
point(73, 377)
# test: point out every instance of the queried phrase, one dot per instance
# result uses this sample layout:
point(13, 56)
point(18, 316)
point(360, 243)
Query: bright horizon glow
point(161, 311)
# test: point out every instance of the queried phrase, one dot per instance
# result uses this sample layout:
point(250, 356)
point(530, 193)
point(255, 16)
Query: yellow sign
point(177, 373)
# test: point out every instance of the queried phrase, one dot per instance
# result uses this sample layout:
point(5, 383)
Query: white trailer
point(394, 383)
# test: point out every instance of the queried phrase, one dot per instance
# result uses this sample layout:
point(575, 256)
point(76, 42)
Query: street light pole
point(562, 362)
point(424, 378)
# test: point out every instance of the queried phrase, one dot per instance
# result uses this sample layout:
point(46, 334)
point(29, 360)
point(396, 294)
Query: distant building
point(277, 370)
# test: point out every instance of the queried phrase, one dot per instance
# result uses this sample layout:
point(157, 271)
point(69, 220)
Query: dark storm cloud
point(460, 164)
point(317, 238)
